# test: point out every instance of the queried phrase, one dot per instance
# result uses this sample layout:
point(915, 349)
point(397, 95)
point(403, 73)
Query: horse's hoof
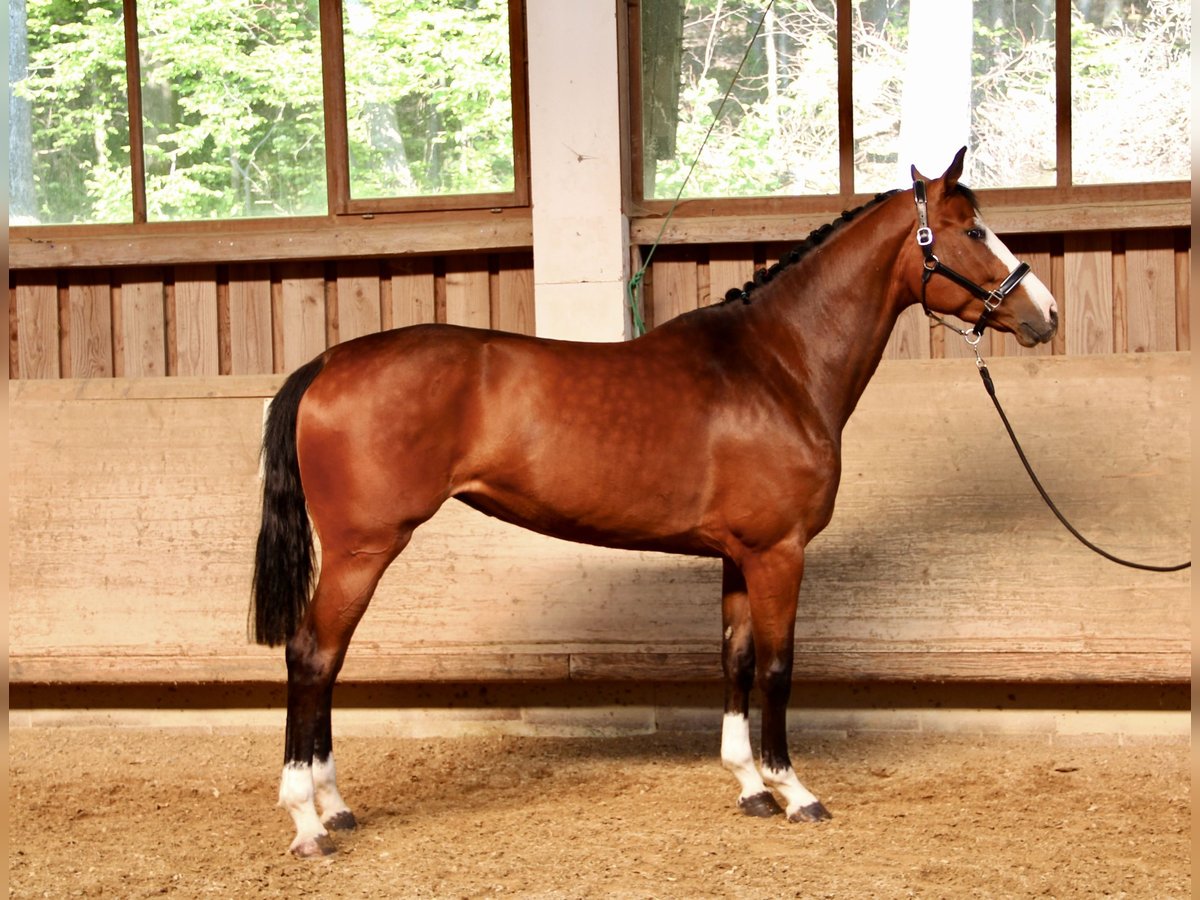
point(314, 847)
point(342, 821)
point(814, 812)
point(761, 806)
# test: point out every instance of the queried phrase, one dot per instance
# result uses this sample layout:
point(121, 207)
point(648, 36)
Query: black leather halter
point(934, 266)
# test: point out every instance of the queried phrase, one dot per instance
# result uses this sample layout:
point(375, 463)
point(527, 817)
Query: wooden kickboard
point(133, 512)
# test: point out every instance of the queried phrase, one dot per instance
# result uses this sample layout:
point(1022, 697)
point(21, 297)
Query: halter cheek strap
point(934, 266)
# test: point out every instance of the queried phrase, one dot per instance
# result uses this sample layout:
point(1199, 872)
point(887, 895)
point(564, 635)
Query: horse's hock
point(133, 518)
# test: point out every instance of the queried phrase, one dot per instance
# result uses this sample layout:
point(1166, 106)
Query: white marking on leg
point(324, 778)
point(1037, 291)
point(738, 756)
point(296, 796)
point(794, 793)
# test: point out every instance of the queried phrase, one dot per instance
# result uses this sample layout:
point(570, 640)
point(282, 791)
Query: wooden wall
point(246, 318)
point(1118, 292)
point(131, 545)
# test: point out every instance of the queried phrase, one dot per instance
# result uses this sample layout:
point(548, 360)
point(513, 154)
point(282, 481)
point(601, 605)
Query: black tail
point(283, 562)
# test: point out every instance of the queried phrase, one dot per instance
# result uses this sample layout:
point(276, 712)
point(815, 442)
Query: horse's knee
point(738, 662)
point(775, 678)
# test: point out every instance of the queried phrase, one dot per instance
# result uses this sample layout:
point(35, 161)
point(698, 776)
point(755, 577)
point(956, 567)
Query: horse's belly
point(642, 522)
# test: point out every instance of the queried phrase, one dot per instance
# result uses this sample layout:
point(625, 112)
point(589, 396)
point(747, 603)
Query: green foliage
point(232, 105)
point(778, 134)
point(428, 96)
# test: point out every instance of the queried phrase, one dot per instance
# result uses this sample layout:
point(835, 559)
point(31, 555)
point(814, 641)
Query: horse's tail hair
point(283, 560)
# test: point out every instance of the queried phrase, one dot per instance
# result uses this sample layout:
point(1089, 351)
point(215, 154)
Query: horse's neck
point(832, 313)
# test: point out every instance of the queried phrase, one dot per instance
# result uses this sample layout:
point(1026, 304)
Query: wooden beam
point(46, 247)
point(1115, 215)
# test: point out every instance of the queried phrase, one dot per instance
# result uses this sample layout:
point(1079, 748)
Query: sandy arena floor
point(145, 814)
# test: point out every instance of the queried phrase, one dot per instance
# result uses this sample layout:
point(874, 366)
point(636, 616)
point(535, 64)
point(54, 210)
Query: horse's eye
point(976, 234)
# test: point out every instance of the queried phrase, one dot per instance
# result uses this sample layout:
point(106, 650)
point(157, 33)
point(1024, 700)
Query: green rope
point(639, 324)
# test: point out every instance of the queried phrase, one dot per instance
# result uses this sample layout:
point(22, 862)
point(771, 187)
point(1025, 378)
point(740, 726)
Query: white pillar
point(935, 112)
point(580, 235)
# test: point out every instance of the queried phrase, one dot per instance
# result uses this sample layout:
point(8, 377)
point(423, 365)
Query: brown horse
point(735, 453)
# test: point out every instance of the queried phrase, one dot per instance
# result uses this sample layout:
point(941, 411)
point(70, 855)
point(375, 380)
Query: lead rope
point(635, 313)
point(991, 389)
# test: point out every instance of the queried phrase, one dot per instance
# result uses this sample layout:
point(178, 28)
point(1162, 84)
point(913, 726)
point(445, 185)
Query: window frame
point(1064, 206)
point(340, 204)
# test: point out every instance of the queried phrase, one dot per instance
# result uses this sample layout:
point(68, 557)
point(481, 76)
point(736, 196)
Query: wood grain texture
point(142, 323)
point(940, 563)
point(250, 329)
point(675, 287)
point(413, 292)
point(36, 309)
point(358, 299)
point(512, 305)
point(1150, 291)
point(1086, 307)
point(196, 346)
point(468, 291)
point(300, 318)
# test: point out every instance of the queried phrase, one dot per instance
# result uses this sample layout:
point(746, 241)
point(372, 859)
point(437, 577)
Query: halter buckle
point(925, 236)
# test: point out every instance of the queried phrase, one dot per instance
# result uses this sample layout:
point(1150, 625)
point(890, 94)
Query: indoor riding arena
point(553, 330)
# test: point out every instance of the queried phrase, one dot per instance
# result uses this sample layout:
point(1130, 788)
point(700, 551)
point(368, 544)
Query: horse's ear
point(917, 176)
point(950, 179)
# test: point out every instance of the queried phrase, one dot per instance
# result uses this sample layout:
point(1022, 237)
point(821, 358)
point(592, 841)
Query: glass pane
point(68, 120)
point(231, 106)
point(930, 77)
point(1131, 91)
point(428, 97)
point(778, 133)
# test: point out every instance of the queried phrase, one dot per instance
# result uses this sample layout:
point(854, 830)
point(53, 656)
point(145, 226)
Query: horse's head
point(964, 269)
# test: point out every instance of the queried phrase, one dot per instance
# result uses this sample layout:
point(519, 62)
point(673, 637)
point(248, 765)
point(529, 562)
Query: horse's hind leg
point(737, 657)
point(314, 658)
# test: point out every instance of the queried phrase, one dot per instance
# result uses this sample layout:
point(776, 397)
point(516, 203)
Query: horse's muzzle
point(1030, 334)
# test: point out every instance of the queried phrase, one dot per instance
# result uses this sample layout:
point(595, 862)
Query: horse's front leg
point(737, 657)
point(773, 582)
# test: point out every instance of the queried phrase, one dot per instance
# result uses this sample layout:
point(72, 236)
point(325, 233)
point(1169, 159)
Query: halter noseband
point(934, 266)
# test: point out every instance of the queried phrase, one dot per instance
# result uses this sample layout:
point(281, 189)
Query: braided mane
point(801, 250)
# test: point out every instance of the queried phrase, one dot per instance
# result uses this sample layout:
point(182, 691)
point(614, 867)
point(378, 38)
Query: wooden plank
point(1109, 666)
point(1183, 291)
point(36, 306)
point(196, 348)
point(1150, 291)
point(951, 569)
point(514, 296)
point(729, 266)
point(675, 287)
point(251, 347)
point(468, 291)
point(910, 337)
point(702, 227)
point(89, 301)
point(413, 291)
point(419, 234)
point(300, 317)
point(142, 323)
point(1086, 306)
point(358, 299)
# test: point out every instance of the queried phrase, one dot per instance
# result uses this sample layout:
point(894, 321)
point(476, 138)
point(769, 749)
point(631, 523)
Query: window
point(839, 96)
point(170, 110)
